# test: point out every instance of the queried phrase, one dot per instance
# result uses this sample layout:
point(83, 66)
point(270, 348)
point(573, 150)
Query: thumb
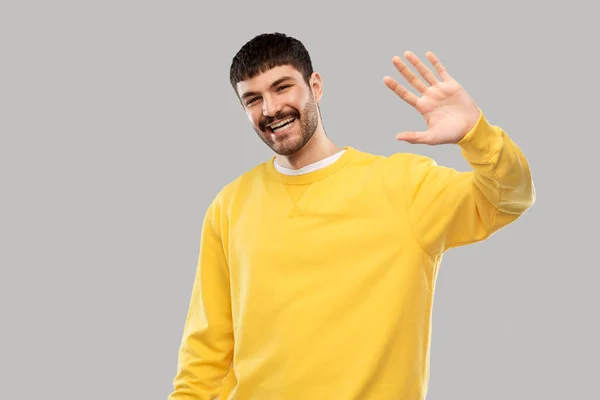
point(413, 136)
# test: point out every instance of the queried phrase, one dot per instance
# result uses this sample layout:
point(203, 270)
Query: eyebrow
point(277, 82)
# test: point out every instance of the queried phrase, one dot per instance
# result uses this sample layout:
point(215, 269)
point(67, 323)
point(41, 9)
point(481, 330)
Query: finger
point(410, 76)
point(414, 137)
point(439, 67)
point(401, 91)
point(425, 72)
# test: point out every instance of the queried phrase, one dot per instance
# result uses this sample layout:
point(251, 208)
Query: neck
point(317, 148)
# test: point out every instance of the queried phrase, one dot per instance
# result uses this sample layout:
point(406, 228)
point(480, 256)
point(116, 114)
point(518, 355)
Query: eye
point(283, 87)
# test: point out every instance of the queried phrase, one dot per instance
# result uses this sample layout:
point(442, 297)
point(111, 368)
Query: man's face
point(276, 96)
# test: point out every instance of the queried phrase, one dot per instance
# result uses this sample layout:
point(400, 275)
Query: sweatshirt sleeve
point(449, 208)
point(206, 348)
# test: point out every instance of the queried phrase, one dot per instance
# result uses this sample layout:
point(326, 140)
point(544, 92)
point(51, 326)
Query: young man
point(317, 269)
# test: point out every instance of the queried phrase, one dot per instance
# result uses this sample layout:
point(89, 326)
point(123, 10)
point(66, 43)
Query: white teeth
point(283, 128)
point(278, 124)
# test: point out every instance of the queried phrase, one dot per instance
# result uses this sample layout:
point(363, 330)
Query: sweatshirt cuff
point(482, 142)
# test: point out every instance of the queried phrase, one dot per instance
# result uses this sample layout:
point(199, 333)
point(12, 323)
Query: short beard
point(309, 122)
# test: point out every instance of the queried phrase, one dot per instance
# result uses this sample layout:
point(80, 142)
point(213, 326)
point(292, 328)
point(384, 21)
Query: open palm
point(449, 112)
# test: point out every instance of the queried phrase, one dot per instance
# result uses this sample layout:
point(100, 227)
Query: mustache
point(277, 117)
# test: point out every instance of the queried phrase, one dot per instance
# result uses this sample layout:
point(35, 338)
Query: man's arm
point(206, 348)
point(448, 208)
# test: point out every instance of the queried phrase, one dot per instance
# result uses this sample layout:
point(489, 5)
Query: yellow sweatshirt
point(320, 286)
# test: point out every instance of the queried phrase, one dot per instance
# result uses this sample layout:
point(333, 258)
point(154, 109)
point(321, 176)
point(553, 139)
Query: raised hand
point(448, 110)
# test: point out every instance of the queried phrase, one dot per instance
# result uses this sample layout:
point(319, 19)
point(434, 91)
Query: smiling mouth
point(281, 126)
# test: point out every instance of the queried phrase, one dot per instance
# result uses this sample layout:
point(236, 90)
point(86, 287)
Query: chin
point(283, 150)
point(288, 143)
point(288, 147)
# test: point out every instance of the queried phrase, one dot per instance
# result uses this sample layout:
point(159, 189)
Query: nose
point(270, 106)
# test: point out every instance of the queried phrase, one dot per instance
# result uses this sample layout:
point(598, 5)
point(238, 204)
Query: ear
point(316, 85)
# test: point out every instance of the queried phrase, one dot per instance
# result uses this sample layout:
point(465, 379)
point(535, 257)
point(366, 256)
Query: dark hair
point(266, 51)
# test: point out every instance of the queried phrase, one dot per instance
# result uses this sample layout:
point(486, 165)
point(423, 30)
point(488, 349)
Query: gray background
point(118, 126)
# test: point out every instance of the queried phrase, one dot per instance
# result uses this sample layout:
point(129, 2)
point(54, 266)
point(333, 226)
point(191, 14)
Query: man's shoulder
point(394, 160)
point(241, 182)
